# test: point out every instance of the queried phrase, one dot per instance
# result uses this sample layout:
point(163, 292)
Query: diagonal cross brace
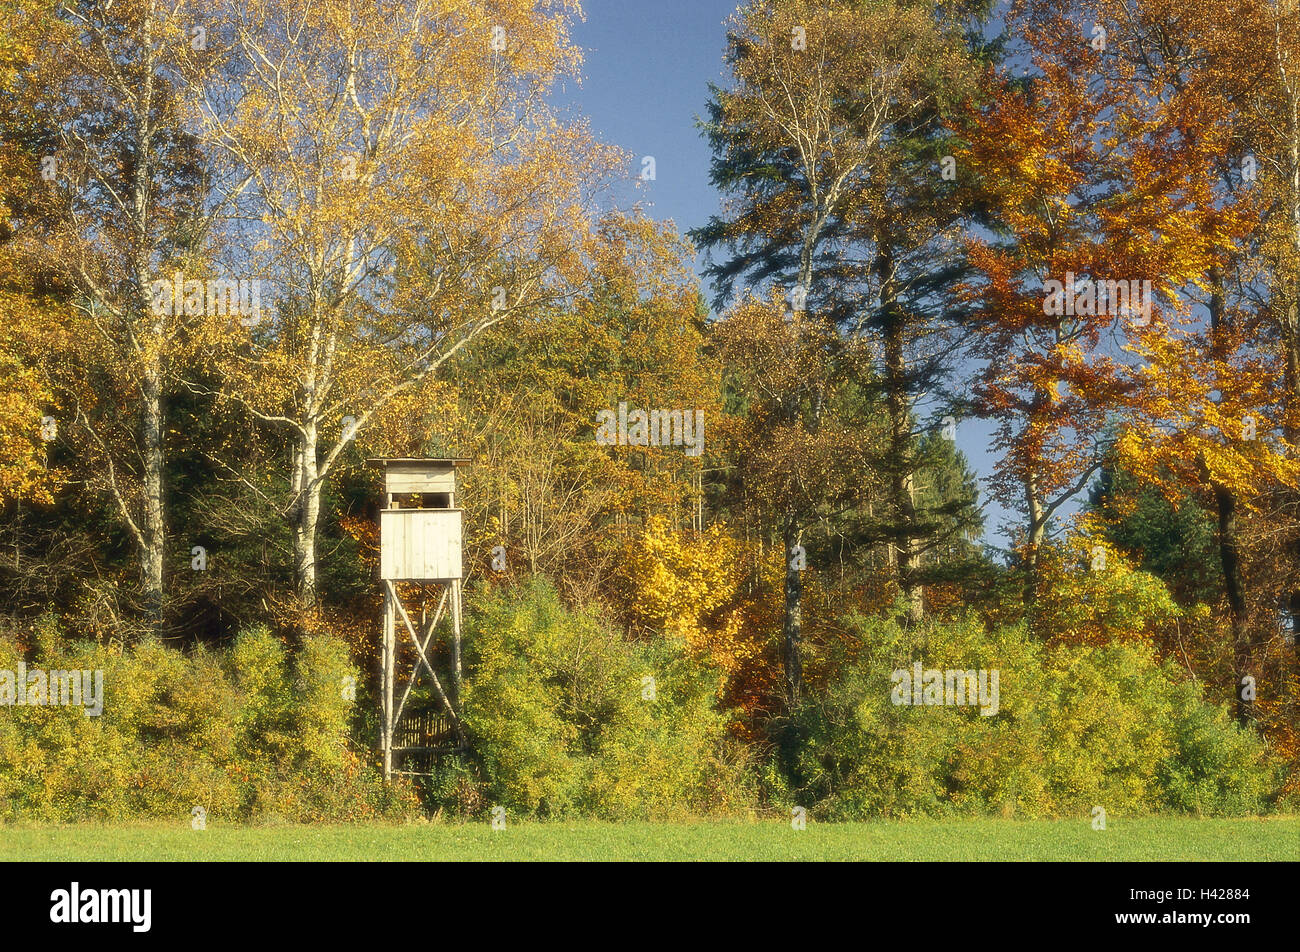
point(437, 684)
point(423, 651)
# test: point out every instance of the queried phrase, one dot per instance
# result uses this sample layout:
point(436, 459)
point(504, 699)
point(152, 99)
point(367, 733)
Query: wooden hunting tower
point(420, 546)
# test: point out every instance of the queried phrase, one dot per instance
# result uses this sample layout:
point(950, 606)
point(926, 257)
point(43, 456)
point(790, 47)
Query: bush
point(559, 726)
point(245, 733)
point(1077, 726)
point(1218, 767)
point(561, 723)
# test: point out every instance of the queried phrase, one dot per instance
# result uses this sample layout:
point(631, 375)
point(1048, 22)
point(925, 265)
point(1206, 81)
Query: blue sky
point(646, 72)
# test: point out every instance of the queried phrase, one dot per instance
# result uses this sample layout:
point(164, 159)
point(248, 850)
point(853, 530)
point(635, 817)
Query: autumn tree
point(531, 392)
point(1210, 408)
point(1130, 168)
point(828, 149)
point(129, 183)
point(1259, 60)
point(1045, 295)
point(398, 184)
point(27, 318)
point(798, 446)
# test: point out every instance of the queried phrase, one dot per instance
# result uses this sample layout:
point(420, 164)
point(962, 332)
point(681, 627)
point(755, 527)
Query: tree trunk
point(1243, 649)
point(307, 487)
point(149, 344)
point(153, 551)
point(901, 477)
point(792, 629)
point(1036, 530)
point(1243, 654)
point(1293, 608)
point(1291, 343)
point(1291, 333)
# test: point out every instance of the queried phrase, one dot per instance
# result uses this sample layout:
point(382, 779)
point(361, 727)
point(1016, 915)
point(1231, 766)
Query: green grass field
point(1275, 838)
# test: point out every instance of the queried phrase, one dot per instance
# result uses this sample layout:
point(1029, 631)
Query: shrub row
point(1078, 726)
point(568, 717)
point(249, 732)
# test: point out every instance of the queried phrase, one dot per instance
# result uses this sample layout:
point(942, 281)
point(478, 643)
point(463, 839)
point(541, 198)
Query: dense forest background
point(442, 269)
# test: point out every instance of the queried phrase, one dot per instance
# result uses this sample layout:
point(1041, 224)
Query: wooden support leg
point(455, 642)
point(389, 674)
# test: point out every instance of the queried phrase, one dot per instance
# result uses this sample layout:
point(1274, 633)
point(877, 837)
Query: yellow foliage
point(1094, 595)
point(686, 585)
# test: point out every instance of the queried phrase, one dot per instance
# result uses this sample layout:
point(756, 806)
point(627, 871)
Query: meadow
point(1139, 839)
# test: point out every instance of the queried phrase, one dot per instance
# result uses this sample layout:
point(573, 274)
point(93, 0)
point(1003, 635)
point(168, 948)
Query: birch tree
point(131, 190)
point(407, 189)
